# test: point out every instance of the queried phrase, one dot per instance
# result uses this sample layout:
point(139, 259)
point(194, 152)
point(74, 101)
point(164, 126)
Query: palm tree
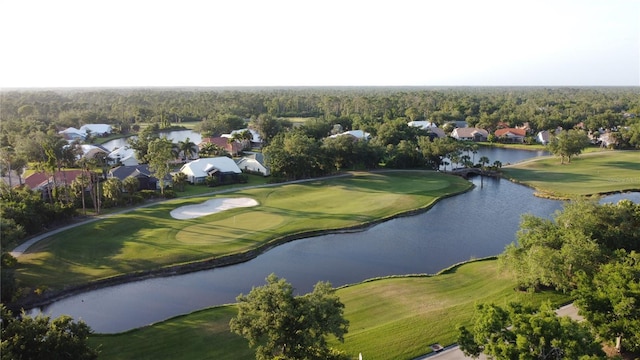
point(483, 161)
point(179, 180)
point(497, 164)
point(187, 148)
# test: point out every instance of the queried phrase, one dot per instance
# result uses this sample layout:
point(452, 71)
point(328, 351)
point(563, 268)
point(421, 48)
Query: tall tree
point(526, 334)
point(567, 144)
point(280, 325)
point(159, 154)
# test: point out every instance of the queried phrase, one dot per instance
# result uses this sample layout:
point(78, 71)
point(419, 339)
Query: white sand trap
point(211, 207)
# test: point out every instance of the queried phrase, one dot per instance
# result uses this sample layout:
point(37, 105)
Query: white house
point(255, 136)
point(97, 129)
point(543, 137)
point(424, 125)
point(124, 155)
point(198, 170)
point(72, 134)
point(91, 151)
point(252, 164)
point(358, 134)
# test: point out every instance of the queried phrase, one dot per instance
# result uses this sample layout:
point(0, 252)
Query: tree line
point(24, 112)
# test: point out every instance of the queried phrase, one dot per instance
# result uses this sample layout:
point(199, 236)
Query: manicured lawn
point(149, 238)
point(393, 318)
point(587, 174)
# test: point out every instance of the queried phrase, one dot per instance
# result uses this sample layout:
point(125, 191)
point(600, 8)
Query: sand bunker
point(211, 207)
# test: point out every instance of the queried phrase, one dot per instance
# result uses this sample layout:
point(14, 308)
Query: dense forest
point(24, 112)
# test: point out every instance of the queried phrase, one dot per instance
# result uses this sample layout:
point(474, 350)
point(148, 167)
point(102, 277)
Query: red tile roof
point(517, 132)
point(63, 177)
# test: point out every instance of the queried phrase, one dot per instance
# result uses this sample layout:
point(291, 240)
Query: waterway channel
point(475, 224)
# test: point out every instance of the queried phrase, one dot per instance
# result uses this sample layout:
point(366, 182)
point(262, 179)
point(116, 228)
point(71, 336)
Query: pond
point(475, 224)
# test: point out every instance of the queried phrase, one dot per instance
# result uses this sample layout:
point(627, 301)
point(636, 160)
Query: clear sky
point(98, 43)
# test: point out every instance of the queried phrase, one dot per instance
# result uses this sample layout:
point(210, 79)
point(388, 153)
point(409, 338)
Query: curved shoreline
point(50, 296)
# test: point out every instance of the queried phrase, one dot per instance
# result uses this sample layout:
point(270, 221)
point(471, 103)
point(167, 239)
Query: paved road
point(454, 353)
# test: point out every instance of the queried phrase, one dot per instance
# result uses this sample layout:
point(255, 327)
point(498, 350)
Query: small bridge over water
point(468, 172)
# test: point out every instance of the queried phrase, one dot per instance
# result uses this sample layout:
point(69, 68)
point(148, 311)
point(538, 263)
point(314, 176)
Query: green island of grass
point(390, 318)
point(588, 174)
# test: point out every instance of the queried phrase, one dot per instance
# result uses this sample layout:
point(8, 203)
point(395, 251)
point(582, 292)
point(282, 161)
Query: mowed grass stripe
point(393, 318)
point(149, 238)
point(588, 174)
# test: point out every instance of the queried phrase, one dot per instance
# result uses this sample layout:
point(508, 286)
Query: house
point(73, 134)
point(234, 148)
point(97, 129)
point(222, 167)
point(512, 135)
point(43, 182)
point(543, 137)
point(432, 129)
point(357, 134)
point(470, 134)
point(607, 140)
point(424, 125)
point(141, 172)
point(256, 140)
point(124, 156)
point(92, 151)
point(253, 163)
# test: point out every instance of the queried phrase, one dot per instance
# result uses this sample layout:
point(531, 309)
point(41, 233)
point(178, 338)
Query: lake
point(475, 224)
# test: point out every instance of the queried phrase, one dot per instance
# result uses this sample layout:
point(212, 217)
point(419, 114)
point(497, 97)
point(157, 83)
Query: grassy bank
point(393, 318)
point(149, 238)
point(588, 174)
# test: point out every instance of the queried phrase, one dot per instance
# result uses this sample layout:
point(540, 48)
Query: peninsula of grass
point(588, 174)
point(148, 239)
point(391, 318)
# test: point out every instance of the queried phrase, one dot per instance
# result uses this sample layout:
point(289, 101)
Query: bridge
point(468, 172)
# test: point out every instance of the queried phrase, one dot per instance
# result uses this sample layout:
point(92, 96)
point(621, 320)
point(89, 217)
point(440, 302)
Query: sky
point(140, 43)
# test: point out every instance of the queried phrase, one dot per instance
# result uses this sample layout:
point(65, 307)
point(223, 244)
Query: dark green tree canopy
point(279, 324)
point(610, 300)
point(524, 333)
point(39, 337)
point(580, 238)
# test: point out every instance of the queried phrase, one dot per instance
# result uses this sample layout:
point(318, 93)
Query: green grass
point(149, 238)
point(392, 318)
point(588, 174)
